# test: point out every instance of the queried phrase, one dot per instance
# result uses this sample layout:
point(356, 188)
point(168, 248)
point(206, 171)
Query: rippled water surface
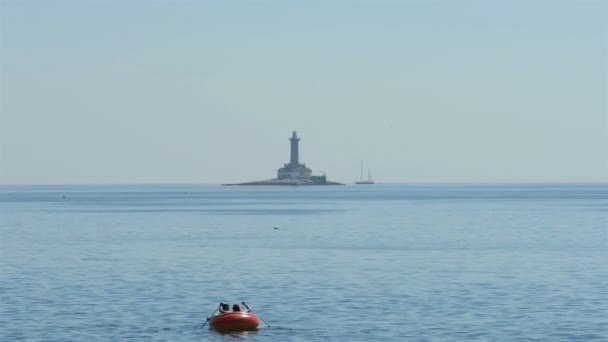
point(353, 263)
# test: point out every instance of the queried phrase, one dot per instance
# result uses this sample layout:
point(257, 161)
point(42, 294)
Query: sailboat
point(369, 179)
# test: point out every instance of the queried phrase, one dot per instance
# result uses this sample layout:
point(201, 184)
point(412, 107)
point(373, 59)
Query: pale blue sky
point(209, 91)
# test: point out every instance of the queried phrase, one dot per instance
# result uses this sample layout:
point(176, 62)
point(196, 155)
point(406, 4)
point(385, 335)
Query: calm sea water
point(353, 263)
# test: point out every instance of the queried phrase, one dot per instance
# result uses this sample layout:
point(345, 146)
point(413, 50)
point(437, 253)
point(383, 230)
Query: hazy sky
point(209, 91)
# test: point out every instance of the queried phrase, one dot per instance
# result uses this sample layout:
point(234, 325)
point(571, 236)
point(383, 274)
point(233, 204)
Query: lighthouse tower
point(294, 170)
point(294, 149)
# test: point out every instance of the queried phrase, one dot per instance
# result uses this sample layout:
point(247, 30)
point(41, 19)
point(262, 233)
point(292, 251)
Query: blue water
point(354, 263)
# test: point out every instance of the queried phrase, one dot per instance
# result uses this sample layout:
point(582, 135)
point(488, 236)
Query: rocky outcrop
point(288, 181)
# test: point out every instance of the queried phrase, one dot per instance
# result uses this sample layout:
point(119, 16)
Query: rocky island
point(293, 173)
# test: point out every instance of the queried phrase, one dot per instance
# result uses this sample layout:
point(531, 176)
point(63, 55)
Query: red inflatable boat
point(234, 321)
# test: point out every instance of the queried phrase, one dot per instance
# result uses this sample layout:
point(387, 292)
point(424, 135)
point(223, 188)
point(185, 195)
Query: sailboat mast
point(361, 173)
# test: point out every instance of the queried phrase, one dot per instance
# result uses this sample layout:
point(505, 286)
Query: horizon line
point(351, 183)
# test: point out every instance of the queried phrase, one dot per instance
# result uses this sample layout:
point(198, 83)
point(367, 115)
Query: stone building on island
point(293, 173)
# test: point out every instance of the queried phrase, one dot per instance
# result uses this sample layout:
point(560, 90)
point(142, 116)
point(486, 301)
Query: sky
point(210, 91)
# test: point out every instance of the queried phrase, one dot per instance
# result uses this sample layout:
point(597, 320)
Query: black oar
point(248, 308)
point(209, 317)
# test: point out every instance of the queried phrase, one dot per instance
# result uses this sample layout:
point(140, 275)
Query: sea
point(383, 262)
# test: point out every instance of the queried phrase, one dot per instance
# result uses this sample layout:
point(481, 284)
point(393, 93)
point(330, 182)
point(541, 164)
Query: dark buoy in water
point(275, 227)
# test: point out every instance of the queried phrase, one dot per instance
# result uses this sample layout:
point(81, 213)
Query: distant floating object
point(275, 227)
point(369, 179)
point(234, 321)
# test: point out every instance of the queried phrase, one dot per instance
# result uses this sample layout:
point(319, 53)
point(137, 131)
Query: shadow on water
point(199, 329)
point(242, 334)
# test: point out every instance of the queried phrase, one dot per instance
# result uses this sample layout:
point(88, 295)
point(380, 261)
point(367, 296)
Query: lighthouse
point(293, 173)
point(294, 170)
point(294, 161)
